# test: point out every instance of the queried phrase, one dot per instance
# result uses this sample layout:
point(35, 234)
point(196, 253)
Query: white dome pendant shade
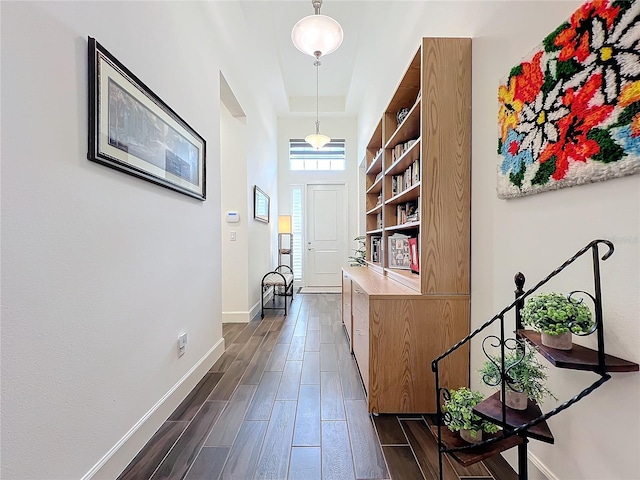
point(317, 140)
point(317, 35)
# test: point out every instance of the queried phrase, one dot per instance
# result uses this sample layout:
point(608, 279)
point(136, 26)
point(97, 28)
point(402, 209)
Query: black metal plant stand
point(518, 428)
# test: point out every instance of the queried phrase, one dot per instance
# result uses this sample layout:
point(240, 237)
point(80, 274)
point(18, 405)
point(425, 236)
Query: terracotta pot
point(559, 342)
point(467, 437)
point(516, 400)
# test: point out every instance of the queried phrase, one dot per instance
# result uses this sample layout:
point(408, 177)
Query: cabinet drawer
point(360, 306)
point(346, 309)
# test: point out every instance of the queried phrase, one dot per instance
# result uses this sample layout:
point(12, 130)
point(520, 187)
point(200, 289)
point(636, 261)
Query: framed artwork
point(570, 111)
point(260, 205)
point(132, 130)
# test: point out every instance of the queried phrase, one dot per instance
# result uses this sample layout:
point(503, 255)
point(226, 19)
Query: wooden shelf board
point(404, 226)
point(578, 358)
point(408, 129)
point(491, 409)
point(375, 209)
point(376, 165)
point(375, 266)
point(406, 277)
point(376, 139)
point(373, 232)
point(410, 193)
point(406, 159)
point(474, 454)
point(376, 187)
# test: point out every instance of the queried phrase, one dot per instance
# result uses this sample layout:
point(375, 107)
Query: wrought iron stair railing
point(517, 428)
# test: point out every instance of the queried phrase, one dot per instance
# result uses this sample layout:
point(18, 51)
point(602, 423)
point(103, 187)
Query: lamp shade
point(317, 140)
point(317, 33)
point(284, 223)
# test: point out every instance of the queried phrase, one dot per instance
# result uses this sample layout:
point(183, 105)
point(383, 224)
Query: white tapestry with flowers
point(570, 113)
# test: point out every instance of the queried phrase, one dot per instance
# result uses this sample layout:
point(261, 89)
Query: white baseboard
point(236, 317)
point(257, 308)
point(540, 466)
point(116, 459)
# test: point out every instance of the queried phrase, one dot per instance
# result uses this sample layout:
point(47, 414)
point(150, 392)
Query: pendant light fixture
point(317, 140)
point(316, 34)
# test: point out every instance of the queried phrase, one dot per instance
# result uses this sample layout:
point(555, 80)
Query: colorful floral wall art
point(570, 113)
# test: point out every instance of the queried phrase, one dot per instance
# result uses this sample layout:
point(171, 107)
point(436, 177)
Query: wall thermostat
point(233, 217)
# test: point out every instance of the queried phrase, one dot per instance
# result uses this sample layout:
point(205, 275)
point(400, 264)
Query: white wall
point(537, 233)
point(100, 270)
point(235, 261)
point(335, 127)
point(596, 439)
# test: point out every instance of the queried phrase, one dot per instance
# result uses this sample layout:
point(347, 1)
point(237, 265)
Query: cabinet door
point(346, 308)
point(360, 308)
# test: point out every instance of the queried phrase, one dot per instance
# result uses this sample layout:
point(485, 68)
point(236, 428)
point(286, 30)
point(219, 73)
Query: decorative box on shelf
point(399, 253)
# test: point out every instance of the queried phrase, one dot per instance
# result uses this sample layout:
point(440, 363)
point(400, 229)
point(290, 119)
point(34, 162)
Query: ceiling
point(379, 37)
point(345, 72)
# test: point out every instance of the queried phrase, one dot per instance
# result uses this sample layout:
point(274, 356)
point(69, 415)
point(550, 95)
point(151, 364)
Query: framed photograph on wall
point(131, 129)
point(260, 205)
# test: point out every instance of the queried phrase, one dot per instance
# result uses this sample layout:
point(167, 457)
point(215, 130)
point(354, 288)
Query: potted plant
point(358, 259)
point(525, 377)
point(459, 415)
point(556, 317)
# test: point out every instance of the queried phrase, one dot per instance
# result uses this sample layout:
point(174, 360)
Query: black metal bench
point(282, 282)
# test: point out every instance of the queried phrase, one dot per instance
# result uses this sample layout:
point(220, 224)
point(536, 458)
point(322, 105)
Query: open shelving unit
point(421, 165)
point(519, 426)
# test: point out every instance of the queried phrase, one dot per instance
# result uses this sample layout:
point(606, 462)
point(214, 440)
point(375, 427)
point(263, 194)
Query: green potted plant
point(459, 415)
point(526, 377)
point(556, 317)
point(358, 259)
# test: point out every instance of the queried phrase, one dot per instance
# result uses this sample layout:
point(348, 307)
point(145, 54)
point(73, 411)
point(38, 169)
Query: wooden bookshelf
point(417, 184)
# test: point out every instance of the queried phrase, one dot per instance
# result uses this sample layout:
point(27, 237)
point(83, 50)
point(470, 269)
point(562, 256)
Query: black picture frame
point(132, 130)
point(261, 202)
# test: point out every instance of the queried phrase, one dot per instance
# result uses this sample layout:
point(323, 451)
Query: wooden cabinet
point(418, 166)
point(347, 314)
point(396, 334)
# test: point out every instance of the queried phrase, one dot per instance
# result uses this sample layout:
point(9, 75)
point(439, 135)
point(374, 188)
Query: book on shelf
point(401, 214)
point(415, 172)
point(401, 148)
point(407, 212)
point(414, 256)
point(375, 249)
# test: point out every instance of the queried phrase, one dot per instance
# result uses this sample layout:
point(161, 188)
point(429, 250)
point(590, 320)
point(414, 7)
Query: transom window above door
point(303, 156)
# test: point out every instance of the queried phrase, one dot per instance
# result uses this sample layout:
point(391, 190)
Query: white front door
point(326, 234)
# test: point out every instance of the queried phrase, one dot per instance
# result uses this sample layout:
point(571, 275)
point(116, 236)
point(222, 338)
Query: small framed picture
point(260, 205)
point(132, 130)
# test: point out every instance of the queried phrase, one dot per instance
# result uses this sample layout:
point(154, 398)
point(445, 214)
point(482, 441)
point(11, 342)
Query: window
point(303, 156)
point(296, 229)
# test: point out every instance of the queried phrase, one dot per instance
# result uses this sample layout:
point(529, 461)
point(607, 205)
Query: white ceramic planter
point(467, 437)
point(559, 342)
point(516, 400)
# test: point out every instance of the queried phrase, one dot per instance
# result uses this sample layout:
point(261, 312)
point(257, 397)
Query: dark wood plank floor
point(285, 401)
